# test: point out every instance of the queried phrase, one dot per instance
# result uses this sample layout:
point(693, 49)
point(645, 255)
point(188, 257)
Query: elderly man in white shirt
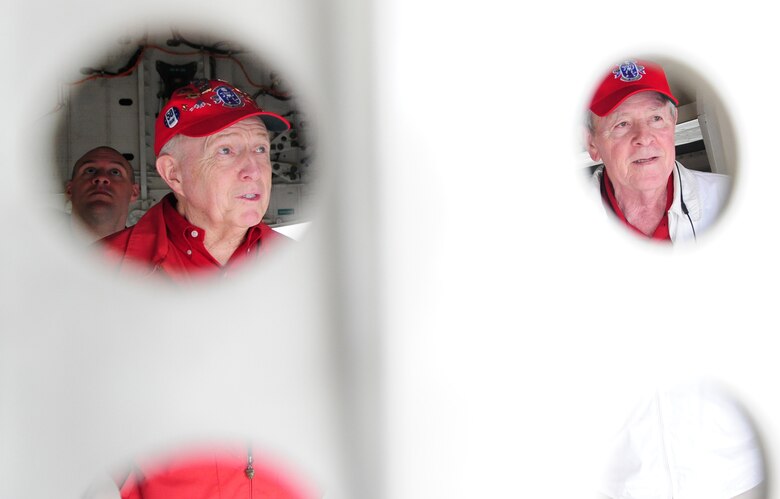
point(631, 127)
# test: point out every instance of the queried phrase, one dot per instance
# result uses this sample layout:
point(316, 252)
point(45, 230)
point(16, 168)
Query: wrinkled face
point(226, 177)
point(636, 143)
point(102, 186)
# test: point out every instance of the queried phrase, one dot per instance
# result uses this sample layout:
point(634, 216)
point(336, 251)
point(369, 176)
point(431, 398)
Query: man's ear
point(68, 191)
point(169, 169)
point(592, 149)
point(136, 192)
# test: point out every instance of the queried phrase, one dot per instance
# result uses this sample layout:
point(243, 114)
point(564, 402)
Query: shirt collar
point(188, 238)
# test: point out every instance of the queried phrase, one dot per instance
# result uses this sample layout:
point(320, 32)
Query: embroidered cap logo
point(172, 117)
point(227, 97)
point(629, 71)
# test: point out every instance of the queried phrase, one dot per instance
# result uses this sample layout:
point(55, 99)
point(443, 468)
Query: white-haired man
point(631, 130)
point(212, 145)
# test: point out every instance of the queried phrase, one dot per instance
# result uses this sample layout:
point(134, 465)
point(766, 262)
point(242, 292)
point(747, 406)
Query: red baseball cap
point(205, 107)
point(626, 79)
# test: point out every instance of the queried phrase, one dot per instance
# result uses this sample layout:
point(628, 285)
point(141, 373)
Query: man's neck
point(219, 241)
point(222, 246)
point(642, 209)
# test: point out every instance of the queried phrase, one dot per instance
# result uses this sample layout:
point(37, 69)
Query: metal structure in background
point(118, 108)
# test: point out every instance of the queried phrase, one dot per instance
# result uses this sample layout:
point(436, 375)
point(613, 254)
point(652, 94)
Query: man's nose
point(251, 167)
point(643, 134)
point(101, 178)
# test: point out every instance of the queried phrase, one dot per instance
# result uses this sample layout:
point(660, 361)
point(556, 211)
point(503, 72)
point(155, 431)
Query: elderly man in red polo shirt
point(631, 130)
point(212, 145)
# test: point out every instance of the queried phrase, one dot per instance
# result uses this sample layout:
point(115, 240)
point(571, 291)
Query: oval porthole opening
point(159, 64)
point(692, 439)
point(676, 189)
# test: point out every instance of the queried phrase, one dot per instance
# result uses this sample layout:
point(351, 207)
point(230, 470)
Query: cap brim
point(606, 106)
point(273, 122)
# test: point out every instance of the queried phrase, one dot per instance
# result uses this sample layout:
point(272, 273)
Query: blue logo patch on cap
point(629, 71)
point(227, 97)
point(172, 117)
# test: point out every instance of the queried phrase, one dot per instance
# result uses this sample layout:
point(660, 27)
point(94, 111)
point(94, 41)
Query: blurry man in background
point(101, 188)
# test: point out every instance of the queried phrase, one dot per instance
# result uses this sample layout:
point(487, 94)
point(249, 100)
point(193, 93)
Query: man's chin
point(250, 220)
point(99, 209)
point(653, 177)
point(100, 202)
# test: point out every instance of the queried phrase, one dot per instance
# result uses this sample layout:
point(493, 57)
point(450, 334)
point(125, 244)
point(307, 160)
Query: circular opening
point(105, 134)
point(691, 439)
point(227, 469)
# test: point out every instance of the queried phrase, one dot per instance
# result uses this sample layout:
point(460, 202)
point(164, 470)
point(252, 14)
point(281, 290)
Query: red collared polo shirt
point(223, 474)
point(163, 240)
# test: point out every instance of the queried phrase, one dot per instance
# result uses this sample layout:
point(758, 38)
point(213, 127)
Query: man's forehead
point(253, 125)
point(103, 155)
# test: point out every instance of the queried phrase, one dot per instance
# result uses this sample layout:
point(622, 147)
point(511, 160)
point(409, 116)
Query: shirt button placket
point(193, 234)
